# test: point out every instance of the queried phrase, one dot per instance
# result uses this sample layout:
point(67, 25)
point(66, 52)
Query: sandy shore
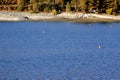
point(73, 17)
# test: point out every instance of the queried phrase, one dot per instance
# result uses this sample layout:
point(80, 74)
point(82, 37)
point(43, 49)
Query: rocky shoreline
point(73, 17)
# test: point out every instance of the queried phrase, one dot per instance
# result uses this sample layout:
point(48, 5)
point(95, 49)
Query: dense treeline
point(57, 6)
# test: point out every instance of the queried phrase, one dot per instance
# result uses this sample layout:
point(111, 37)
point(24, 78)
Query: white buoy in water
point(99, 46)
point(89, 25)
point(110, 26)
point(43, 31)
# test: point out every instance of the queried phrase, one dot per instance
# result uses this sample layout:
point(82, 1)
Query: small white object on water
point(99, 46)
point(89, 25)
point(43, 31)
point(110, 26)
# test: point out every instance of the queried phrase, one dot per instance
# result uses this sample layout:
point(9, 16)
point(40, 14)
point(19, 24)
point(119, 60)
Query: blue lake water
point(59, 51)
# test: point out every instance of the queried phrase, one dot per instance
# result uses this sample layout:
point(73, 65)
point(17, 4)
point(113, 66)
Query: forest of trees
point(111, 7)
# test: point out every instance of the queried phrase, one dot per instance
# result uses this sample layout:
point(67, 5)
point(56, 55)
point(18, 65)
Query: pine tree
point(101, 5)
point(75, 4)
point(83, 5)
point(68, 7)
point(20, 5)
point(35, 6)
point(90, 5)
point(115, 7)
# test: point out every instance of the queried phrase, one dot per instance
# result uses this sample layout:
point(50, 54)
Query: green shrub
point(54, 12)
point(46, 9)
point(19, 8)
point(20, 5)
point(109, 11)
point(29, 8)
point(35, 8)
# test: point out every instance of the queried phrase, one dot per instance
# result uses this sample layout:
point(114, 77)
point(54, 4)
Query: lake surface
point(59, 51)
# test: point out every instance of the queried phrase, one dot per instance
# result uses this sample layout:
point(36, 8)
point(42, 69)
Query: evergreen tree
point(115, 6)
point(74, 3)
point(35, 6)
point(90, 5)
point(104, 6)
point(20, 5)
point(83, 5)
point(101, 5)
point(68, 7)
point(63, 2)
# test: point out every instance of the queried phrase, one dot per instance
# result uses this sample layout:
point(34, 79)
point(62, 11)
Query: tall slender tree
point(20, 5)
point(74, 3)
point(35, 5)
point(83, 5)
point(115, 6)
point(68, 7)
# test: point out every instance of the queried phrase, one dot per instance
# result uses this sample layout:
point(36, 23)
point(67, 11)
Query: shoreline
point(67, 17)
